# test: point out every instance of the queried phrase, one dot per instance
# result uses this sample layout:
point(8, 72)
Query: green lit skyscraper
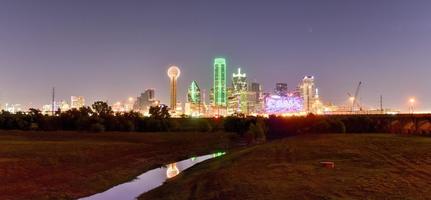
point(220, 82)
point(194, 93)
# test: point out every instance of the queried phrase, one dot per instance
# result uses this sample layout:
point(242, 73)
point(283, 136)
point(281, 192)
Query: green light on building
point(194, 93)
point(220, 96)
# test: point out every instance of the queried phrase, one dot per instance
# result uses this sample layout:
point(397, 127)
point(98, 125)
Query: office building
point(308, 93)
point(146, 100)
point(219, 84)
point(77, 102)
point(239, 82)
point(194, 93)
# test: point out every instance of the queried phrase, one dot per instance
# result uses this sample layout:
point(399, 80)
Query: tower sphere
point(174, 72)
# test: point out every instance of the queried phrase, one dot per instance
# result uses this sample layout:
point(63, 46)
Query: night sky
point(110, 50)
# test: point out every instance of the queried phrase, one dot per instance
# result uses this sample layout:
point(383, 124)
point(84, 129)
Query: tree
point(159, 112)
point(102, 108)
point(85, 111)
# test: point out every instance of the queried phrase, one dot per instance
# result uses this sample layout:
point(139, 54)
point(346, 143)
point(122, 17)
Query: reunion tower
point(173, 73)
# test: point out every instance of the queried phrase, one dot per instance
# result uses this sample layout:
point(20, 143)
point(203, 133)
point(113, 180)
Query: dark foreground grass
point(67, 165)
point(366, 167)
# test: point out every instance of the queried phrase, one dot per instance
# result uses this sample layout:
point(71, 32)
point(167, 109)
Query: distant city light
point(275, 104)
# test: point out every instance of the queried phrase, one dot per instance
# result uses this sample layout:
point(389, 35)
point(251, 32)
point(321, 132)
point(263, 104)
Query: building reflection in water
point(172, 170)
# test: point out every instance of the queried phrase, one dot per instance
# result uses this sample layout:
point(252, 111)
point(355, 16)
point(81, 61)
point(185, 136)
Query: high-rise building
point(76, 102)
point(194, 97)
point(194, 93)
point(149, 95)
point(281, 89)
point(238, 98)
point(173, 73)
point(256, 90)
point(146, 100)
point(308, 93)
point(239, 82)
point(220, 96)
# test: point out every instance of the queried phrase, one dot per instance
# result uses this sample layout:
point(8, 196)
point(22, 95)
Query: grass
point(68, 165)
point(369, 166)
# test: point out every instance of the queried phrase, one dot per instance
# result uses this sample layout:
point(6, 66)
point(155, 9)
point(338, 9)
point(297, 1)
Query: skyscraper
point(149, 95)
point(220, 97)
point(281, 89)
point(173, 73)
point(194, 93)
point(308, 92)
point(239, 82)
point(256, 90)
point(77, 102)
point(146, 100)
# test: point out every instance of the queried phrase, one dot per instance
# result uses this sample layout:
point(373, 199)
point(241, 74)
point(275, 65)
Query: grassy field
point(67, 165)
point(366, 167)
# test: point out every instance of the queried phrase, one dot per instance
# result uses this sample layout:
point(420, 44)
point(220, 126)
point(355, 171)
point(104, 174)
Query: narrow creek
point(149, 180)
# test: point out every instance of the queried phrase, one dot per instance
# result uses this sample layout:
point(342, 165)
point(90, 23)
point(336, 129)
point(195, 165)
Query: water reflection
point(172, 170)
point(149, 180)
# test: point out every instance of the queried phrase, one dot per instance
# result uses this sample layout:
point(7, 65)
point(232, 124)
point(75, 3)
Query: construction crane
point(354, 99)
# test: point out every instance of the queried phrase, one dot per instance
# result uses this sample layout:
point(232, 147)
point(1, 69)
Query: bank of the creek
point(149, 180)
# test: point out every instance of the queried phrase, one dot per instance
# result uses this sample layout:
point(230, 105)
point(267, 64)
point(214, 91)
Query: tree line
point(100, 117)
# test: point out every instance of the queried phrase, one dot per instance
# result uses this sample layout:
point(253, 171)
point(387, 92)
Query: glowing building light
point(239, 81)
point(194, 93)
point(220, 96)
point(275, 104)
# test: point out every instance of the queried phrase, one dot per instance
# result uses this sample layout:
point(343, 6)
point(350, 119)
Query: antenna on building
point(381, 103)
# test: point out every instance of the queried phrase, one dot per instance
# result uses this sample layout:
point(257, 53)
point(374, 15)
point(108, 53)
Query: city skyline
point(114, 57)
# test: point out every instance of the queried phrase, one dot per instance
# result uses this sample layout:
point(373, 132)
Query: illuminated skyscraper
point(308, 93)
point(220, 96)
point(194, 93)
point(173, 73)
point(77, 102)
point(238, 100)
point(239, 82)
